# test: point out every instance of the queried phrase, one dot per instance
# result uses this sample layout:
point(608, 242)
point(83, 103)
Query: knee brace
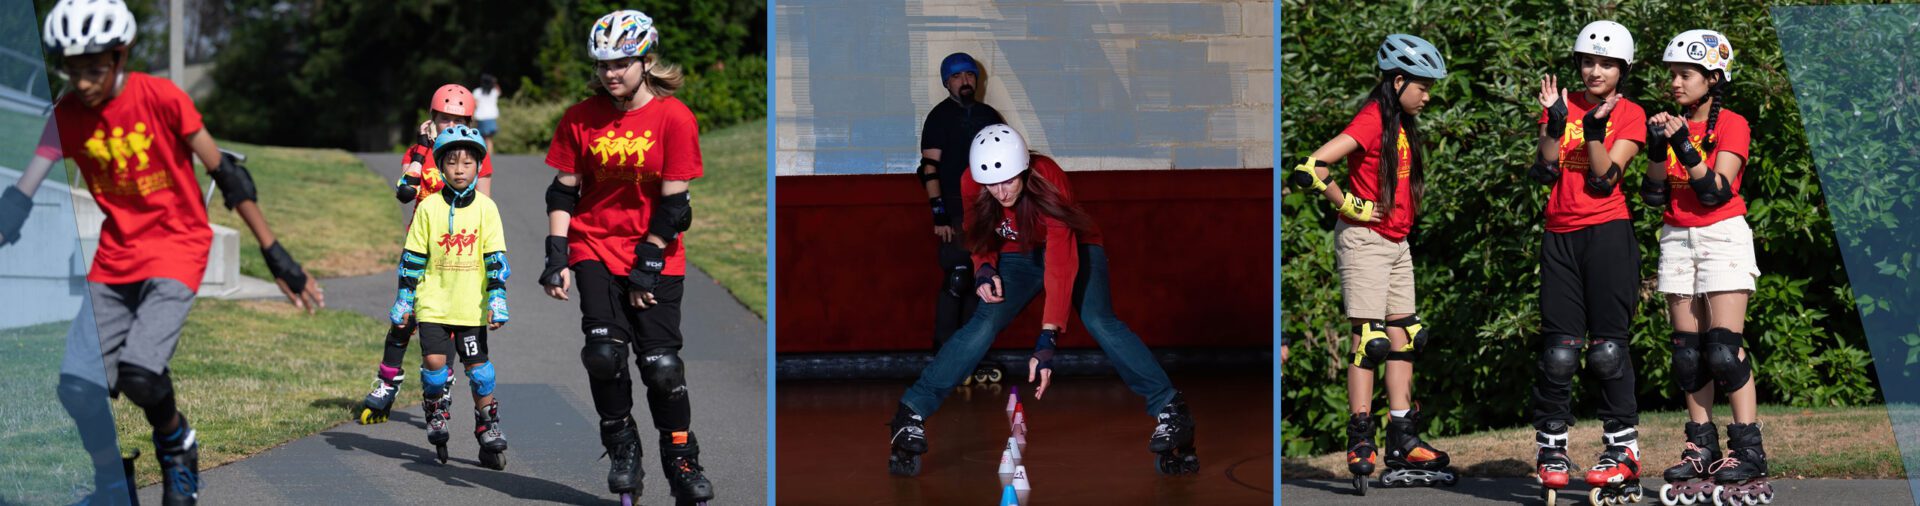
point(604, 356)
point(1687, 362)
point(1416, 339)
point(1560, 360)
point(663, 372)
point(434, 383)
point(482, 378)
point(1608, 359)
point(1730, 372)
point(1373, 346)
point(143, 387)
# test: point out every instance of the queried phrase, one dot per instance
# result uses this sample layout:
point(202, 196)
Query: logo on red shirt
point(614, 144)
point(1006, 230)
point(459, 243)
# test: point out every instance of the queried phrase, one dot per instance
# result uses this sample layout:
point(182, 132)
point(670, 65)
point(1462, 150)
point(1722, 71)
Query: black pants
point(1589, 281)
point(950, 312)
point(650, 331)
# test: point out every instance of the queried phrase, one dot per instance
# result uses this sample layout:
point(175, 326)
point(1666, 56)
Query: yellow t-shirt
point(453, 290)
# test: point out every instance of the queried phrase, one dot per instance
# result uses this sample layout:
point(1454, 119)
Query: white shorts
point(1713, 258)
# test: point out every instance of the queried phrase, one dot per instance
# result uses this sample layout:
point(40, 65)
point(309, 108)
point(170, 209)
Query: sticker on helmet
point(1712, 41)
point(1696, 51)
point(1726, 51)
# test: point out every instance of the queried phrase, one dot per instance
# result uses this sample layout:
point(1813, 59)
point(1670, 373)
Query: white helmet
point(622, 34)
point(1706, 48)
point(1605, 38)
point(77, 27)
point(998, 154)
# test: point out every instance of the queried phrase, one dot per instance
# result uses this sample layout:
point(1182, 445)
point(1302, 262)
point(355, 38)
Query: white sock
point(1400, 413)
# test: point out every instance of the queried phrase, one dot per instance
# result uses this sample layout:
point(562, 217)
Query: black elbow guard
point(1712, 189)
point(561, 197)
point(671, 216)
point(236, 185)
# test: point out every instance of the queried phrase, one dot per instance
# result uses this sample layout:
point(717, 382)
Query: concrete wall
point(1106, 84)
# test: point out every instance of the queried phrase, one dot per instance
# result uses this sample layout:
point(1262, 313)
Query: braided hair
point(1392, 120)
point(1717, 92)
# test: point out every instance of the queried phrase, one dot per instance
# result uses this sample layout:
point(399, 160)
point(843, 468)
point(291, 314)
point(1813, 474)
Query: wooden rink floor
point(1086, 443)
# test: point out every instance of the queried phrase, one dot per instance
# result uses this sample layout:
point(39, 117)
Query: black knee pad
point(605, 357)
point(143, 387)
point(1373, 347)
point(1730, 372)
point(1608, 359)
point(662, 371)
point(1687, 362)
point(1561, 358)
point(1416, 339)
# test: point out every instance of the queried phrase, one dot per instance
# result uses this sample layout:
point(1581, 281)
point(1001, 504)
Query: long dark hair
point(1039, 198)
point(1392, 120)
point(1718, 93)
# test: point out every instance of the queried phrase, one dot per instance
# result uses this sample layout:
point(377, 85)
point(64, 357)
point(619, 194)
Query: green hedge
point(1477, 241)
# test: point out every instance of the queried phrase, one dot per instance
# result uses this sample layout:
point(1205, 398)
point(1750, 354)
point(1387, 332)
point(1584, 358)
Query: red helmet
point(453, 99)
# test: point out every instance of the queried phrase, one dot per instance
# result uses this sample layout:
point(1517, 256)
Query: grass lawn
point(333, 214)
point(729, 235)
point(255, 374)
point(43, 458)
point(1801, 443)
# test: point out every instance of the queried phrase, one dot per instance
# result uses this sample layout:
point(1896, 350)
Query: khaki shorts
point(1713, 258)
point(1376, 275)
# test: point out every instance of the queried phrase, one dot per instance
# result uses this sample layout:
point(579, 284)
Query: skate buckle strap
point(1545, 440)
point(1560, 467)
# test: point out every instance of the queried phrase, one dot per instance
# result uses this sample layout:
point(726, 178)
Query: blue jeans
point(1021, 278)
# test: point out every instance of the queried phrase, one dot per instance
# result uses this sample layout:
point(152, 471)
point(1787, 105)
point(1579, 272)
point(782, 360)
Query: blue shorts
point(488, 127)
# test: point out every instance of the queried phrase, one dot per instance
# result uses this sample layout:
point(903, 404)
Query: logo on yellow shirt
point(458, 243)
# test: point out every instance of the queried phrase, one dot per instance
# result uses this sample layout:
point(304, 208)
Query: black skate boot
point(1172, 439)
point(379, 402)
point(622, 441)
point(1689, 482)
point(179, 456)
point(437, 417)
point(1741, 478)
point(1360, 449)
point(680, 457)
point(909, 439)
point(1410, 461)
point(486, 431)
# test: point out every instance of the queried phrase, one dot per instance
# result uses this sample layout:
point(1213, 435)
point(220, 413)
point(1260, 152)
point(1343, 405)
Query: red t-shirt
point(1363, 176)
point(1570, 207)
point(621, 159)
point(1062, 263)
point(431, 178)
point(1685, 210)
point(133, 152)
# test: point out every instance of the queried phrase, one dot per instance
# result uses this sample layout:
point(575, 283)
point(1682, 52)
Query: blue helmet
point(957, 63)
point(1410, 54)
point(457, 136)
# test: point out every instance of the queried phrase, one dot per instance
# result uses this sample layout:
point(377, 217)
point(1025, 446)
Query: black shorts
point(470, 343)
point(603, 304)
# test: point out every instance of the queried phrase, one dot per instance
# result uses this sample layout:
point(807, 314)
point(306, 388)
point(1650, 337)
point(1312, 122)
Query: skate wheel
point(1751, 500)
point(1719, 496)
point(1766, 498)
point(1551, 496)
point(994, 375)
point(626, 500)
point(1595, 498)
point(1450, 480)
point(908, 466)
point(441, 452)
point(494, 461)
point(1360, 485)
